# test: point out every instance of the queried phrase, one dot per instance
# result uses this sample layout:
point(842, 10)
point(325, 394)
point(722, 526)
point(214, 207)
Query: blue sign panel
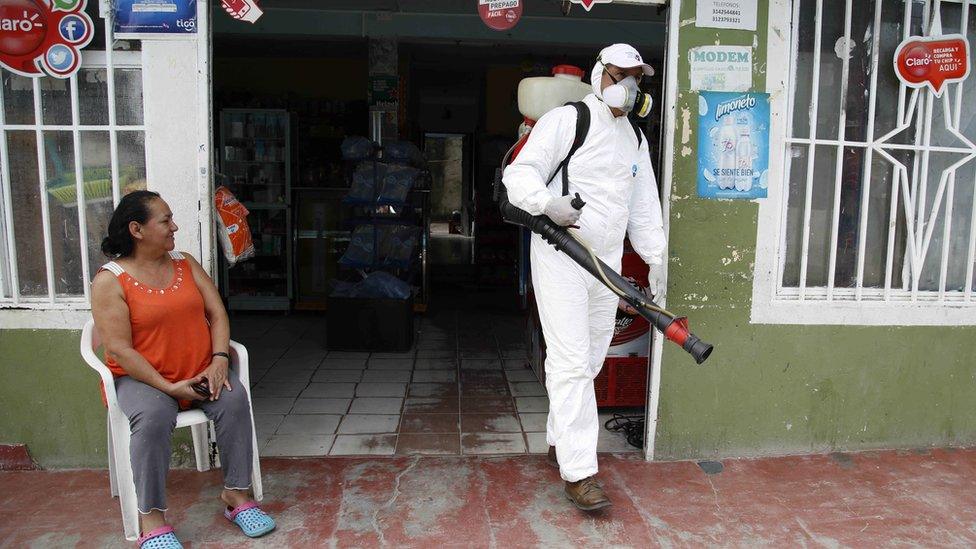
point(733, 144)
point(155, 18)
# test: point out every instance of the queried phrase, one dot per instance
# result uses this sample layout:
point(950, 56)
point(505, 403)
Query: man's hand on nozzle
point(561, 211)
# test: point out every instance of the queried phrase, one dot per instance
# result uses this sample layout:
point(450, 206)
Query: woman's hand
point(183, 390)
point(216, 375)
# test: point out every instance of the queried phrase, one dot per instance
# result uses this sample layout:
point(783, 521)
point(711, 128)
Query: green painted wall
point(51, 402)
point(786, 389)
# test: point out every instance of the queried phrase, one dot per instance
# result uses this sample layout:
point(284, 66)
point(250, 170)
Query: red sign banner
point(932, 61)
point(38, 38)
point(243, 10)
point(500, 15)
point(588, 4)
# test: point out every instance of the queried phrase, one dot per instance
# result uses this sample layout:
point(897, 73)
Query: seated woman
point(165, 330)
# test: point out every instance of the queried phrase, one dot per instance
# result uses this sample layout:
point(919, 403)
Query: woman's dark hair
point(133, 207)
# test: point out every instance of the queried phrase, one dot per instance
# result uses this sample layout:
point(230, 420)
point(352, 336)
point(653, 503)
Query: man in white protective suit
point(611, 171)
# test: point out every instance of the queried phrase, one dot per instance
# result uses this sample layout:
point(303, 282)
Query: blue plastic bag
point(357, 148)
point(397, 182)
point(364, 189)
point(403, 152)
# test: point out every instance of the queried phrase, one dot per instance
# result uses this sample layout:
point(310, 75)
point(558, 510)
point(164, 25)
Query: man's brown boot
point(552, 457)
point(586, 494)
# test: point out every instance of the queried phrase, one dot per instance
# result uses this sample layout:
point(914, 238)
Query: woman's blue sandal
point(160, 538)
point(251, 519)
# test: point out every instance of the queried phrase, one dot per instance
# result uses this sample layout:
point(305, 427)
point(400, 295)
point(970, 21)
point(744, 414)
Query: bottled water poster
point(733, 144)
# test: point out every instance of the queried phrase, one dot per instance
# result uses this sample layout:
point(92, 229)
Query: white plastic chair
point(119, 467)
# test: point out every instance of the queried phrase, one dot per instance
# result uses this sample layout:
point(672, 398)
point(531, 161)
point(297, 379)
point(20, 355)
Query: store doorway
point(451, 227)
point(471, 381)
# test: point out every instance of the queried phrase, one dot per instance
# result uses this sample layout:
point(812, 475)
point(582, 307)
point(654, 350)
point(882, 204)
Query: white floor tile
point(429, 376)
point(281, 389)
point(386, 376)
point(271, 405)
point(360, 424)
point(532, 404)
point(390, 364)
point(337, 376)
point(329, 390)
point(343, 364)
point(347, 354)
point(537, 443)
point(358, 445)
point(321, 406)
point(531, 422)
point(376, 405)
point(520, 375)
point(265, 425)
point(376, 389)
point(309, 424)
point(298, 445)
point(492, 443)
point(527, 389)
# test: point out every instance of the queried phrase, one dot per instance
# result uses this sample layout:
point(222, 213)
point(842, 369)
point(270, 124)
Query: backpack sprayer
point(569, 242)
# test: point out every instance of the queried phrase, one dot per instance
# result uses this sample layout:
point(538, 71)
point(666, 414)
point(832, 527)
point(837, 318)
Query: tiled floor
point(922, 498)
point(464, 388)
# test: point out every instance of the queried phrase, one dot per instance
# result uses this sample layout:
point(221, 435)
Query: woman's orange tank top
point(169, 325)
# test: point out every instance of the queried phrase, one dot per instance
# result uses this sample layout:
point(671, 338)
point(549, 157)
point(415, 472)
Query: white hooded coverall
point(614, 177)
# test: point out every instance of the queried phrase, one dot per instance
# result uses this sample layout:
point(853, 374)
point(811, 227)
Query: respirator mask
point(623, 94)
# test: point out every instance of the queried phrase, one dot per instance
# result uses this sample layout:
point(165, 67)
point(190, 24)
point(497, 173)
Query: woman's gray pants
point(152, 418)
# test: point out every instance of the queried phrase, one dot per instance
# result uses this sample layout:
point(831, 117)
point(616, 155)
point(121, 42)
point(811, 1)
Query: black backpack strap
point(582, 128)
point(637, 130)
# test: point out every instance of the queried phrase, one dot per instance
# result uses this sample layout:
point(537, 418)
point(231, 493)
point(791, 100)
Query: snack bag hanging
point(235, 235)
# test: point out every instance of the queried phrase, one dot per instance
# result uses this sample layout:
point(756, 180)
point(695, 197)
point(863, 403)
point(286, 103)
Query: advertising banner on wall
point(932, 61)
point(726, 14)
point(145, 19)
point(40, 38)
point(500, 15)
point(720, 68)
point(733, 144)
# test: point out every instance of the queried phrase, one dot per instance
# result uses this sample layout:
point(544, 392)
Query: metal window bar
point(920, 221)
point(8, 215)
point(41, 182)
point(839, 164)
point(80, 187)
point(788, 149)
point(9, 279)
point(869, 153)
point(812, 152)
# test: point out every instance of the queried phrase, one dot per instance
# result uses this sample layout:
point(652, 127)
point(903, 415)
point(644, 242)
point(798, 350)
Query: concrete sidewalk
point(919, 498)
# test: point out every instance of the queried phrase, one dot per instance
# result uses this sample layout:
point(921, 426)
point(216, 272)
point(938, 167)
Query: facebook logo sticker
point(73, 29)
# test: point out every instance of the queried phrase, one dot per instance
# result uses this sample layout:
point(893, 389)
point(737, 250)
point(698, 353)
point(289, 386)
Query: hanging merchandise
point(243, 10)
point(145, 19)
point(39, 37)
point(232, 228)
point(500, 15)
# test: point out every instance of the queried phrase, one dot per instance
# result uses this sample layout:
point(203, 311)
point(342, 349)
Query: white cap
point(625, 57)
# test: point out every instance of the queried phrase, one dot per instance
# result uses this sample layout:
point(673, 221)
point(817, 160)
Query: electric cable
point(631, 425)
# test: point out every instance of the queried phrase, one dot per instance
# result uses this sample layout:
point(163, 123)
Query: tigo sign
point(932, 61)
point(38, 37)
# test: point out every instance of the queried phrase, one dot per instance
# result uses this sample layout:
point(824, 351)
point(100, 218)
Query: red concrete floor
point(861, 500)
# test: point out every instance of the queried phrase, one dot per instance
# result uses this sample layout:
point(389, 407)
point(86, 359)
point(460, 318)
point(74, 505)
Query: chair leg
point(200, 446)
point(211, 439)
point(256, 485)
point(126, 485)
point(113, 476)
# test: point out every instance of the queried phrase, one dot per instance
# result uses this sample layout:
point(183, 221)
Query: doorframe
point(664, 184)
point(205, 136)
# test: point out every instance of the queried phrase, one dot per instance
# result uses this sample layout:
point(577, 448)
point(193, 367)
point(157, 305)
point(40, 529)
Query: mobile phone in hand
point(202, 388)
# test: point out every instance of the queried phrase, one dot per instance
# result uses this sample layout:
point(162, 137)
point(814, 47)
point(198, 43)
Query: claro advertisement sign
point(39, 38)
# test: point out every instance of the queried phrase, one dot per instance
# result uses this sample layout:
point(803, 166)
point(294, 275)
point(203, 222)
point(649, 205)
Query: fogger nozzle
point(674, 328)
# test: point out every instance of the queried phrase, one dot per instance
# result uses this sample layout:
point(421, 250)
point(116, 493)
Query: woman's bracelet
point(225, 355)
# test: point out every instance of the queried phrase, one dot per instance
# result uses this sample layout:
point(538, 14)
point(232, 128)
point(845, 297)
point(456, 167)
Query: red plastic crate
point(622, 382)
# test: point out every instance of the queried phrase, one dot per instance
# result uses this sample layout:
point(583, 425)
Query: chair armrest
point(239, 359)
